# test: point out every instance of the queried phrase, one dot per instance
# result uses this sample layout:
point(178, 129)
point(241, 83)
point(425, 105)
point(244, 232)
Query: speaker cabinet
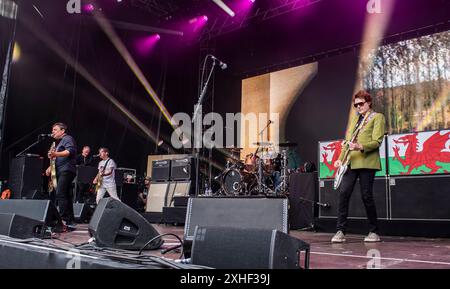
point(156, 197)
point(86, 174)
point(129, 194)
point(182, 169)
point(82, 212)
point(41, 210)
point(17, 226)
point(25, 176)
point(247, 213)
point(161, 171)
point(116, 225)
point(327, 195)
point(177, 189)
point(257, 248)
point(420, 198)
point(303, 192)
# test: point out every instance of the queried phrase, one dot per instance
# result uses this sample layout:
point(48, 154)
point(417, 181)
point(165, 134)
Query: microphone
point(45, 135)
point(325, 205)
point(96, 156)
point(222, 65)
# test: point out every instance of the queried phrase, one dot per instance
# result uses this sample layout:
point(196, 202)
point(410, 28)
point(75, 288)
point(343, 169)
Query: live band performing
point(225, 134)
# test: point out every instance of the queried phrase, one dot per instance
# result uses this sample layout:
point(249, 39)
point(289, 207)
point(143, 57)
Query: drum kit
point(263, 172)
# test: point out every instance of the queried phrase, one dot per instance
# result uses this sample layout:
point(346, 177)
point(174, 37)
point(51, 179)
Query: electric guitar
point(99, 177)
point(346, 159)
point(52, 184)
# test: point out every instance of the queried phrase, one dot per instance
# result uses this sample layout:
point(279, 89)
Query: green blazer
point(370, 137)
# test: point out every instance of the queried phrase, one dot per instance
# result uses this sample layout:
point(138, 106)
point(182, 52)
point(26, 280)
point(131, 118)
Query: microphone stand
point(29, 147)
point(194, 118)
point(260, 169)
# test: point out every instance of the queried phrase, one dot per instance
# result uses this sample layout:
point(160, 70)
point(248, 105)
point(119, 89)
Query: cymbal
point(263, 143)
point(288, 144)
point(235, 149)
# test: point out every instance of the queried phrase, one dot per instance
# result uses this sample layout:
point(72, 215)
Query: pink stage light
point(146, 44)
point(88, 7)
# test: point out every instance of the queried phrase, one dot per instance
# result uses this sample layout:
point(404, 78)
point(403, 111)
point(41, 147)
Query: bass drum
point(238, 182)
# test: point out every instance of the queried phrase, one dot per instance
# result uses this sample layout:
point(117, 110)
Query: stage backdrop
point(409, 81)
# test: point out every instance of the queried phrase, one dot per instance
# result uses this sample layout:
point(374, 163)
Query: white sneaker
point(372, 237)
point(339, 237)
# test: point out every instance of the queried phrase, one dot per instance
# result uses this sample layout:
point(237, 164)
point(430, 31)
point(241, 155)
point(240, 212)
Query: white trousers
point(112, 191)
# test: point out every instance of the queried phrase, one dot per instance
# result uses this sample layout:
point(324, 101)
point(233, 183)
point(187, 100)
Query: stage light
point(16, 53)
point(88, 7)
point(253, 1)
point(146, 44)
point(224, 7)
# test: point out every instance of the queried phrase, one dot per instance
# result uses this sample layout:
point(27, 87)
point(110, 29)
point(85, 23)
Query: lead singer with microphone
point(64, 155)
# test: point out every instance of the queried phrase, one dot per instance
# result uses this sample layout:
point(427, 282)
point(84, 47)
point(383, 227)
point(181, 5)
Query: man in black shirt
point(85, 158)
point(65, 161)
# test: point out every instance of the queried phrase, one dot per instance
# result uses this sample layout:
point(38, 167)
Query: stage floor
point(393, 252)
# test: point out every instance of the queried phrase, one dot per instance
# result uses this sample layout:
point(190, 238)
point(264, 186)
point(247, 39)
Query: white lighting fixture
point(224, 7)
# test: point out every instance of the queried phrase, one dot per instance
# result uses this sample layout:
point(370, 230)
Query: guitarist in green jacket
point(363, 162)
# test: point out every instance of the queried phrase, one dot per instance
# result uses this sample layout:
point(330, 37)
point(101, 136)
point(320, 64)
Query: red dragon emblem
point(431, 153)
point(335, 148)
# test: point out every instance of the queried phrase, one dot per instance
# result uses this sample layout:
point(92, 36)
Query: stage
point(394, 252)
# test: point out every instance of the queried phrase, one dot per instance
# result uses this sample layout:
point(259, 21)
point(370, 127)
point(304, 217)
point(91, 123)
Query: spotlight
point(224, 7)
point(89, 7)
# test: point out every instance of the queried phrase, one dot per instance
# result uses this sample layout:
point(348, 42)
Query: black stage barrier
point(303, 193)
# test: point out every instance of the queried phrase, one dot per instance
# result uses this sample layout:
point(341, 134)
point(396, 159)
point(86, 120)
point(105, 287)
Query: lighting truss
point(225, 25)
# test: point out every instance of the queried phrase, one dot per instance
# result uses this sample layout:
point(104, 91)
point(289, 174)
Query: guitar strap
point(106, 165)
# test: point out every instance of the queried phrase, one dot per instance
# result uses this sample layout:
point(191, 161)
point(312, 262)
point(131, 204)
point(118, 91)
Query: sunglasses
point(358, 104)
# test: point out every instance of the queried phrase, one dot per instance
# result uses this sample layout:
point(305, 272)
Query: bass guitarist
point(63, 156)
point(105, 180)
point(363, 162)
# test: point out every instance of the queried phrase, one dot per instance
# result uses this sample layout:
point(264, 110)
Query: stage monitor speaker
point(160, 171)
point(116, 225)
point(17, 226)
point(247, 213)
point(256, 248)
point(41, 210)
point(82, 212)
point(177, 189)
point(156, 197)
point(25, 176)
point(182, 169)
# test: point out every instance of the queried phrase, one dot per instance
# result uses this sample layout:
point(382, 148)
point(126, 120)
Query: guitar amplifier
point(182, 169)
point(160, 170)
